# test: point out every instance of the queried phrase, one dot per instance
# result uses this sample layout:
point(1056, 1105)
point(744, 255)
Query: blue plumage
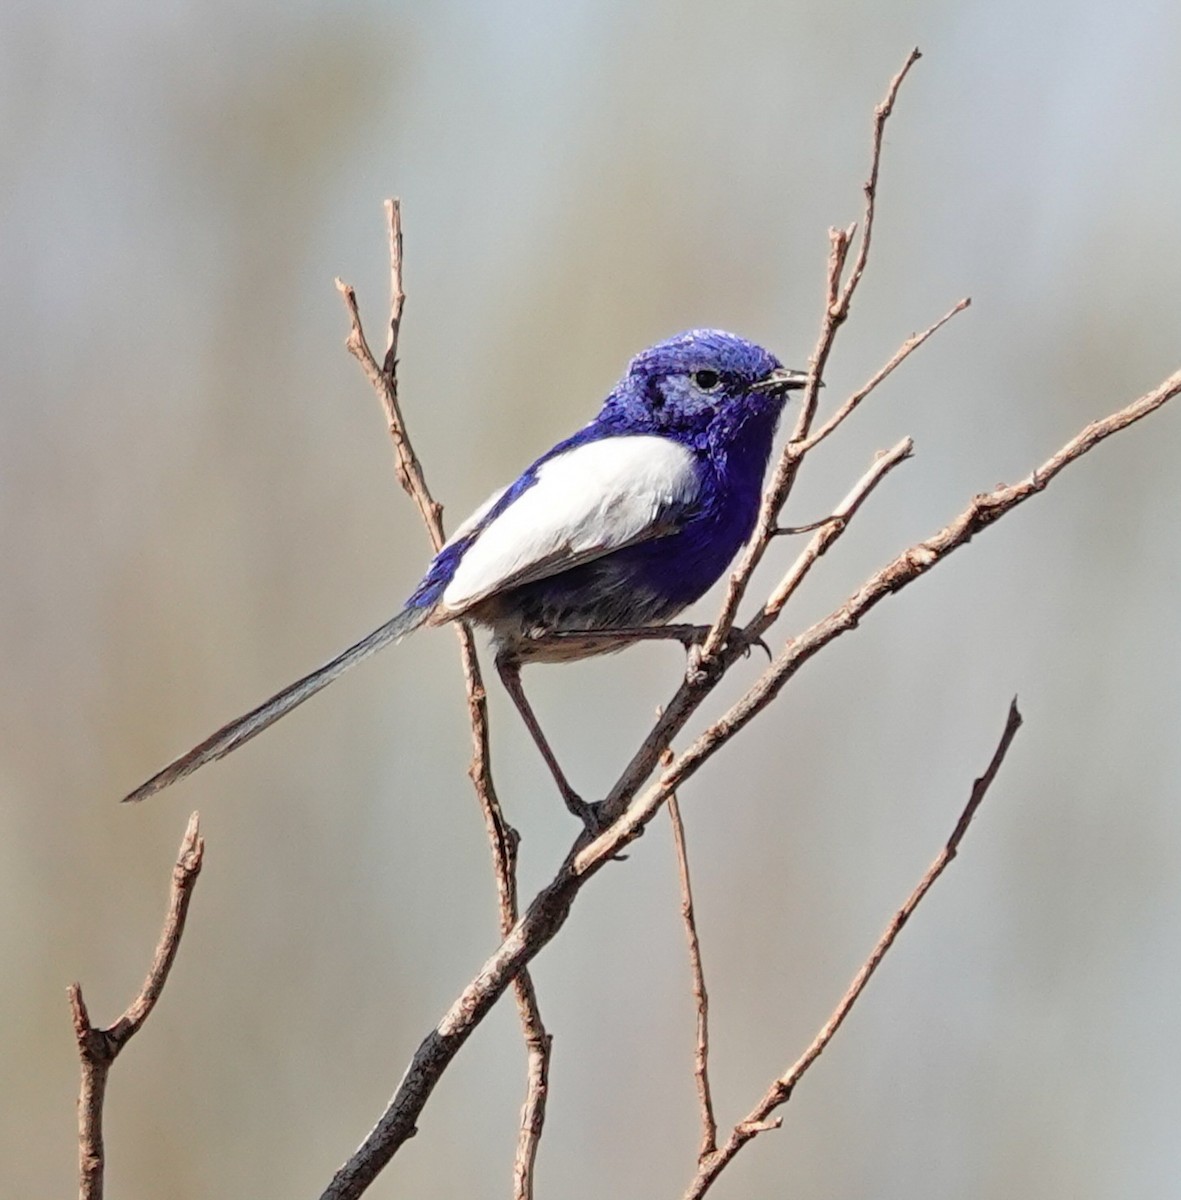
point(616, 529)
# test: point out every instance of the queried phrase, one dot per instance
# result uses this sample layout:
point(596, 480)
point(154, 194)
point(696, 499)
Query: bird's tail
point(230, 737)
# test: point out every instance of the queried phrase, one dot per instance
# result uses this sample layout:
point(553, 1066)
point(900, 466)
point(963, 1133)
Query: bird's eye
point(706, 380)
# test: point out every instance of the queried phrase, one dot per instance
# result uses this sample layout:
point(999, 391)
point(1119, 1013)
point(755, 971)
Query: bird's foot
point(746, 642)
point(737, 639)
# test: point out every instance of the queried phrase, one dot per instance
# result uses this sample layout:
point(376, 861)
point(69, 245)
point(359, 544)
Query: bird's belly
point(601, 595)
point(642, 585)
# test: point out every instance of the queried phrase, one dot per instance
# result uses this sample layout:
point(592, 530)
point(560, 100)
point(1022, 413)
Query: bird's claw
point(745, 643)
point(737, 638)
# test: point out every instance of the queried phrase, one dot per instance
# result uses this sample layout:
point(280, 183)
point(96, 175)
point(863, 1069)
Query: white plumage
point(586, 502)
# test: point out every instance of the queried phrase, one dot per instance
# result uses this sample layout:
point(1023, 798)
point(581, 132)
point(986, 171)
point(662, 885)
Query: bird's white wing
point(586, 502)
point(473, 520)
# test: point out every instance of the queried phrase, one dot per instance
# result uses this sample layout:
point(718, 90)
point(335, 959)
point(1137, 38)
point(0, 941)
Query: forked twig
point(98, 1048)
point(759, 1119)
point(828, 533)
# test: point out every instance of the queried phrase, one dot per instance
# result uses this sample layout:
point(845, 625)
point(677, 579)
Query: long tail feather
point(230, 737)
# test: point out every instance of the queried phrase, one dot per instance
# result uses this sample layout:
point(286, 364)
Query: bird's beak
point(782, 379)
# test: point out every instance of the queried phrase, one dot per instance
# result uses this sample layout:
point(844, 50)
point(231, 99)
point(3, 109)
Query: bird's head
point(702, 385)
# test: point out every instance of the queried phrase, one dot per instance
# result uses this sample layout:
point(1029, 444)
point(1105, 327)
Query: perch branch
point(544, 916)
point(551, 906)
point(98, 1048)
point(759, 1120)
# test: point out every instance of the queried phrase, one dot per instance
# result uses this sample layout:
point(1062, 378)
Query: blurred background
point(197, 505)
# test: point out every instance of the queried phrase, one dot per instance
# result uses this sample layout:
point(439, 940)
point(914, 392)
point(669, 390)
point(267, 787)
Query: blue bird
point(600, 541)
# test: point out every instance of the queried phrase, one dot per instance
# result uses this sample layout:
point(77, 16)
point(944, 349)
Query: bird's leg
point(620, 636)
point(510, 675)
point(690, 636)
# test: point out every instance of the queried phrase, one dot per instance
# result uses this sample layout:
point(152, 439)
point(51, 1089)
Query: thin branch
point(98, 1048)
point(709, 1123)
point(385, 384)
point(899, 357)
point(836, 311)
point(503, 839)
point(393, 216)
point(759, 1120)
point(828, 533)
point(880, 116)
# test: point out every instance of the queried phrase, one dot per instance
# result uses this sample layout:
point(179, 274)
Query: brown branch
point(709, 1123)
point(759, 1120)
point(836, 311)
point(503, 839)
point(98, 1048)
point(393, 216)
point(356, 1173)
point(550, 907)
point(900, 356)
point(385, 384)
point(881, 115)
point(828, 533)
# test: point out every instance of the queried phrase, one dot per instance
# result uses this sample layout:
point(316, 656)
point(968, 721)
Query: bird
point(597, 544)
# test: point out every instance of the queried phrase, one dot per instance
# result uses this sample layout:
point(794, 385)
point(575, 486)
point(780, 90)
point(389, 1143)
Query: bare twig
point(900, 356)
point(709, 1123)
point(836, 311)
point(393, 216)
point(880, 116)
point(503, 839)
point(828, 532)
point(98, 1048)
point(759, 1119)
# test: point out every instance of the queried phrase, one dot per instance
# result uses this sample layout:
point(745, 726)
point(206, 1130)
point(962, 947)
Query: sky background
point(197, 505)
